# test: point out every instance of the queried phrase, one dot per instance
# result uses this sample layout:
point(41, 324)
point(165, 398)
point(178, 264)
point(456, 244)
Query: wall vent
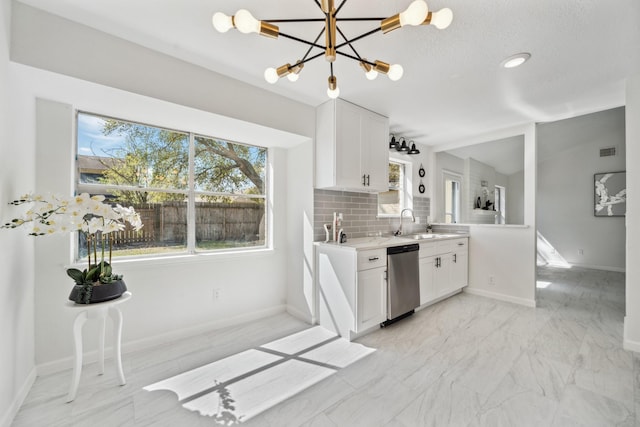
point(609, 151)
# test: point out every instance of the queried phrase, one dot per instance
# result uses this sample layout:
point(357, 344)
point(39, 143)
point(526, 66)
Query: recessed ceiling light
point(516, 60)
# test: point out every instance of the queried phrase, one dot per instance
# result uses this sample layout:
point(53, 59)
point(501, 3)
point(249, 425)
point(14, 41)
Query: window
point(391, 202)
point(193, 192)
point(451, 198)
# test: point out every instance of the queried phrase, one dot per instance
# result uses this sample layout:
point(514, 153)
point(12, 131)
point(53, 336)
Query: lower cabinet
point(372, 298)
point(460, 269)
point(443, 268)
point(427, 279)
point(352, 289)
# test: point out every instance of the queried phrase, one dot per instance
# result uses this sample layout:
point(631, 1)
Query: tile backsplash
point(359, 211)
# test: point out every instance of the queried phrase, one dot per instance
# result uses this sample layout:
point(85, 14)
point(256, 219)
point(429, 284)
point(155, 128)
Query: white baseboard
point(11, 413)
point(300, 315)
point(128, 347)
point(628, 344)
point(502, 297)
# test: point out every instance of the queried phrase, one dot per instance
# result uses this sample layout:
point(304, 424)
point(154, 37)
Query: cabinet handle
point(368, 180)
point(455, 257)
point(374, 258)
point(438, 262)
point(460, 244)
point(364, 180)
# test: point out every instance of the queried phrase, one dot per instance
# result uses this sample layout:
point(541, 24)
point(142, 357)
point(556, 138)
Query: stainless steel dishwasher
point(403, 280)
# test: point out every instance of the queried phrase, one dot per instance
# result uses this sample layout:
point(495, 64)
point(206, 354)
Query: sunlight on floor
point(239, 387)
point(541, 284)
point(548, 255)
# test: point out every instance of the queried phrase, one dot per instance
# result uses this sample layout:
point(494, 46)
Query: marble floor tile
point(580, 407)
point(522, 409)
point(375, 404)
point(445, 403)
point(465, 361)
point(535, 373)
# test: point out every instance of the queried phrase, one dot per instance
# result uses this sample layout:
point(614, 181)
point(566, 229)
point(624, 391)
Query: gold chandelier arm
point(330, 30)
point(269, 30)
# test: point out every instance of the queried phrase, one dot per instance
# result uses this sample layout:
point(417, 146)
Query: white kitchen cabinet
point(352, 151)
point(460, 269)
point(352, 289)
point(443, 275)
point(443, 268)
point(372, 298)
point(427, 279)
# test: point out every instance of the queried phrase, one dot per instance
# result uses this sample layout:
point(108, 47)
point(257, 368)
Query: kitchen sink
point(421, 236)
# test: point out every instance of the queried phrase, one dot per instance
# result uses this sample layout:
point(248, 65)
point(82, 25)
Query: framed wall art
point(610, 194)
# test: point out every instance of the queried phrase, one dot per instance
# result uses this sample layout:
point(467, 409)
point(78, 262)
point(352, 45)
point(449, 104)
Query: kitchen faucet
point(413, 219)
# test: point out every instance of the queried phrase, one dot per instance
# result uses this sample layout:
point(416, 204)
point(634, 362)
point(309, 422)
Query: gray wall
point(568, 159)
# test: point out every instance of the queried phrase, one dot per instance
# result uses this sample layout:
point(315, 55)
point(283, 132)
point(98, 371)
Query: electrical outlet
point(492, 281)
point(216, 294)
point(580, 251)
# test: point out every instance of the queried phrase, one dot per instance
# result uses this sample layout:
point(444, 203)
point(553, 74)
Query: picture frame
point(610, 194)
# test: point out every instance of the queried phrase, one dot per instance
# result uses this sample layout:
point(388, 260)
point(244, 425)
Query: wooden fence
point(166, 224)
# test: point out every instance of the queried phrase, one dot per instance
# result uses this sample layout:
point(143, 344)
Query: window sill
point(183, 258)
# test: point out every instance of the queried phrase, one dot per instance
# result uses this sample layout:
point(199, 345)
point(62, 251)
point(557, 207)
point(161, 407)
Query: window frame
point(406, 198)
point(456, 213)
point(190, 192)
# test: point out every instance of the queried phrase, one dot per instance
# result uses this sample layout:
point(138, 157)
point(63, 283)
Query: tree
point(151, 157)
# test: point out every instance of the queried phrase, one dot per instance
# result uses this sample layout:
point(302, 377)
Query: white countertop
point(377, 242)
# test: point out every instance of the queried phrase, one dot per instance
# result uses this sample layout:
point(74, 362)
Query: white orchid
point(91, 215)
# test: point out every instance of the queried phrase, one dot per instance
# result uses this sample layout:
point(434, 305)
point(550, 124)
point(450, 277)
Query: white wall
point(46, 41)
point(506, 252)
point(17, 371)
point(632, 318)
point(171, 297)
point(566, 190)
point(299, 226)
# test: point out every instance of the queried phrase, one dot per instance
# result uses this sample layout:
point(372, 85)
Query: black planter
point(89, 294)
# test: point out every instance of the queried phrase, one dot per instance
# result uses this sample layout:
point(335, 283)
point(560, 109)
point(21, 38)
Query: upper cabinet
point(351, 148)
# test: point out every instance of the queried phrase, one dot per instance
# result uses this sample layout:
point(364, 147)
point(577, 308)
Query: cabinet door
point(427, 283)
point(459, 270)
point(348, 135)
point(442, 275)
point(372, 298)
point(375, 151)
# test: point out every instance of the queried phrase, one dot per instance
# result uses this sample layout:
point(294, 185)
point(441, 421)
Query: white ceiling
point(453, 86)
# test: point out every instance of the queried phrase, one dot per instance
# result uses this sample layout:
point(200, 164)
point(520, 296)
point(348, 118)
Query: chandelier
point(416, 14)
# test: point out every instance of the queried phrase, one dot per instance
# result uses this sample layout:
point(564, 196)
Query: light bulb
point(293, 77)
point(442, 18)
point(245, 22)
point(333, 93)
point(371, 74)
point(395, 72)
point(222, 22)
point(415, 14)
point(271, 75)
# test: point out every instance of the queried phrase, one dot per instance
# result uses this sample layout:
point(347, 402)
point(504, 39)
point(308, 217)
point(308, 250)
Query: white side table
point(97, 311)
